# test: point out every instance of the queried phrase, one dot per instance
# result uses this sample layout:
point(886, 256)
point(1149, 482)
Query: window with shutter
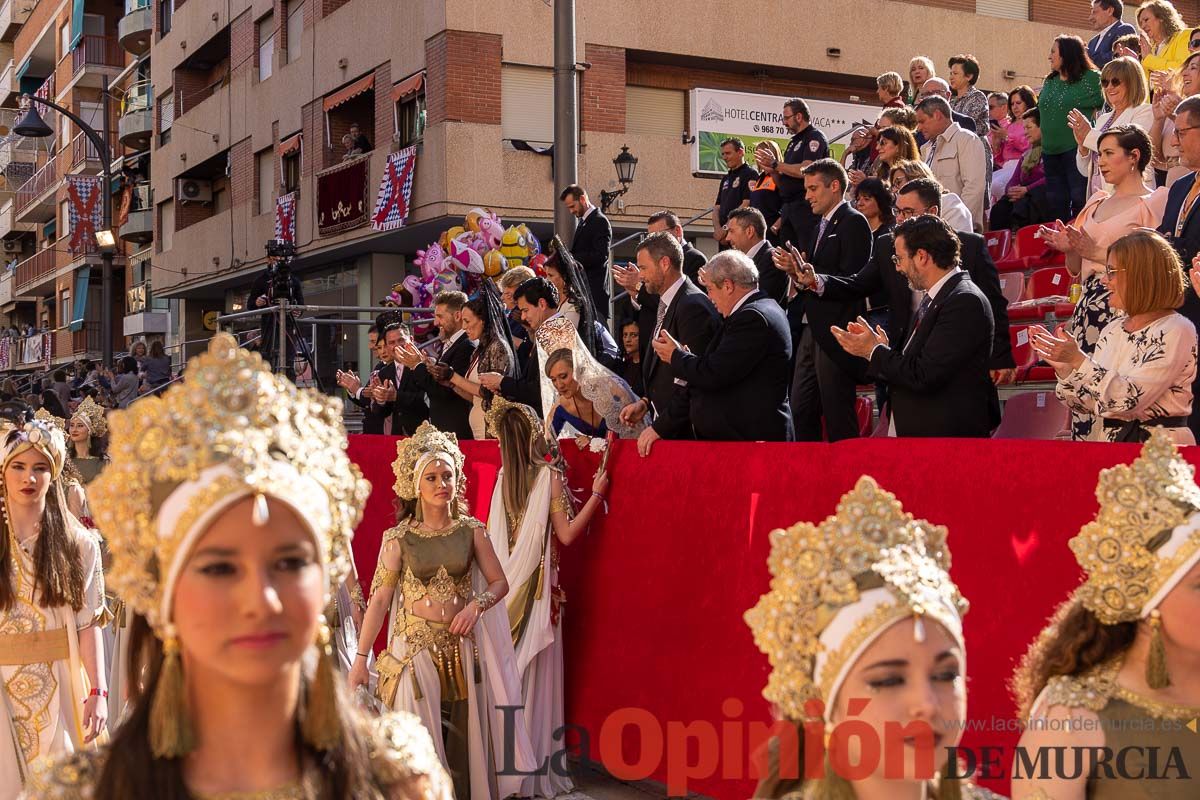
point(1009, 9)
point(527, 103)
point(655, 111)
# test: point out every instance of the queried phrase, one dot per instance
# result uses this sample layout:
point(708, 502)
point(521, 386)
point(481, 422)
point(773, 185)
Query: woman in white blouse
point(1140, 374)
point(1124, 85)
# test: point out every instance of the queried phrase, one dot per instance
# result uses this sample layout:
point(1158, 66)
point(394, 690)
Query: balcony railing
point(137, 298)
point(186, 101)
point(97, 51)
point(85, 340)
point(135, 5)
point(36, 268)
point(138, 97)
point(82, 147)
point(42, 181)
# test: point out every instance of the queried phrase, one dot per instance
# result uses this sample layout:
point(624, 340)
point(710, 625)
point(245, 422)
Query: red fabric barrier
point(657, 589)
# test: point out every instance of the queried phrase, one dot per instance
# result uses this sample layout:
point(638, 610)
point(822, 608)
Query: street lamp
point(33, 126)
point(626, 164)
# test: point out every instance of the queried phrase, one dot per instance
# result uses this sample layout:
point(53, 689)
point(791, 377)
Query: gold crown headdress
point(556, 334)
point(416, 452)
point(231, 430)
point(1143, 540)
point(91, 413)
point(501, 406)
point(836, 587)
point(47, 417)
point(39, 434)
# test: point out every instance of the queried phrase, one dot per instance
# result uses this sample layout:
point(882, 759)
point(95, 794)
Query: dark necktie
point(921, 311)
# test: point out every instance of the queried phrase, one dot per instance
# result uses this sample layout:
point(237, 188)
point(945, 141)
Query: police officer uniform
point(799, 221)
point(735, 190)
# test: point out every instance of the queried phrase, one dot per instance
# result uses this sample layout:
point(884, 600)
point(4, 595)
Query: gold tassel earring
point(321, 726)
point(1156, 660)
point(171, 733)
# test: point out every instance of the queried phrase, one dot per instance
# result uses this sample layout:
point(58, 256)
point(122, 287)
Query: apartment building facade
point(251, 99)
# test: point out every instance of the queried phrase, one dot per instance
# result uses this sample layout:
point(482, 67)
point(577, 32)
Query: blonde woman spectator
point(1140, 373)
point(952, 210)
point(904, 116)
point(920, 69)
point(1164, 38)
point(889, 88)
point(1162, 132)
point(1124, 86)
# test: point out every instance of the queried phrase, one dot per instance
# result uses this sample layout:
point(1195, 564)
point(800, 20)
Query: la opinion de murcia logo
point(712, 112)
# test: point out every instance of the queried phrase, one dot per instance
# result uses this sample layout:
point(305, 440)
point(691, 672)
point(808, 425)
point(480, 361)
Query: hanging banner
point(285, 217)
point(6, 354)
point(47, 349)
point(32, 350)
point(83, 195)
point(395, 191)
point(717, 115)
point(342, 196)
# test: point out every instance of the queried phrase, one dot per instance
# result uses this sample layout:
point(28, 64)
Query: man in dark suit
point(938, 377)
point(747, 230)
point(1106, 18)
point(1181, 222)
point(536, 300)
point(447, 410)
point(359, 393)
point(689, 317)
point(398, 394)
point(825, 377)
point(593, 237)
point(738, 387)
point(915, 198)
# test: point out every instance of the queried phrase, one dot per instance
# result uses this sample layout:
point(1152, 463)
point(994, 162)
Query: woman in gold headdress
point(229, 507)
point(52, 677)
point(88, 443)
point(449, 656)
point(862, 609)
point(1118, 667)
point(530, 510)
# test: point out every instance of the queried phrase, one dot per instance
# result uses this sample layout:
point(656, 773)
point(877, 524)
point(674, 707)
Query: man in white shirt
point(956, 157)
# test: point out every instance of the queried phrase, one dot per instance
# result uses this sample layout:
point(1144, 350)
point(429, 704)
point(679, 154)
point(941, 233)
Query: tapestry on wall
point(342, 196)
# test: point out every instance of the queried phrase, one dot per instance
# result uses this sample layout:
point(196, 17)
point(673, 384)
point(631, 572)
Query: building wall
point(463, 46)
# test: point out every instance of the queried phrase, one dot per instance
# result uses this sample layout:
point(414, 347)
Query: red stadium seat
point(1012, 285)
point(998, 244)
point(1022, 349)
point(1033, 415)
point(1029, 252)
point(864, 407)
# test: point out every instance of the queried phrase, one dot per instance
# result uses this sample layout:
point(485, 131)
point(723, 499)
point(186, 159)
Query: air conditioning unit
point(11, 246)
point(193, 191)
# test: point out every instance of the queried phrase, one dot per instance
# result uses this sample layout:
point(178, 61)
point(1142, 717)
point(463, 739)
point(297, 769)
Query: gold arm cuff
point(384, 577)
point(560, 503)
point(34, 648)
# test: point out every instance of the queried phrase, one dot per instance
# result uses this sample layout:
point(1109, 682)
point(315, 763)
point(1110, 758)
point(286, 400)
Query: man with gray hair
point(738, 387)
point(957, 158)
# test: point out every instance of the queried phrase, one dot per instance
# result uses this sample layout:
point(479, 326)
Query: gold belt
point(422, 634)
point(34, 648)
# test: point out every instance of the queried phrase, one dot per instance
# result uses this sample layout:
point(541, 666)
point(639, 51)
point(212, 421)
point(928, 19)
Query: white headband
point(303, 495)
point(424, 460)
point(1179, 536)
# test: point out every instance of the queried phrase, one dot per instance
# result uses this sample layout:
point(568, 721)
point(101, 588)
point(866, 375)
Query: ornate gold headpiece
point(50, 419)
point(90, 413)
point(837, 586)
point(1135, 547)
point(556, 334)
point(232, 429)
point(37, 434)
point(420, 448)
point(501, 406)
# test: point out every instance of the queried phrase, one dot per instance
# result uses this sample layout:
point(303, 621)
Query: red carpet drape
point(656, 590)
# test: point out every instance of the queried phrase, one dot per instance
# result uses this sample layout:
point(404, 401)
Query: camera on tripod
point(279, 271)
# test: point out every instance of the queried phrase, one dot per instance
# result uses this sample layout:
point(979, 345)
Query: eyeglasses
point(907, 213)
point(1106, 82)
point(1110, 271)
point(1179, 131)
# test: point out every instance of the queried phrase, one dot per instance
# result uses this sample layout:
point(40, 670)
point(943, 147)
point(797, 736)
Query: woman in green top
point(1073, 82)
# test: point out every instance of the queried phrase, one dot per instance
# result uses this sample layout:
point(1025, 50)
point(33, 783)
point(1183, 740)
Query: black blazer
point(409, 409)
point(772, 281)
point(880, 273)
point(1186, 244)
point(738, 389)
point(844, 250)
point(527, 386)
point(448, 411)
point(593, 236)
point(372, 420)
point(693, 260)
point(692, 320)
point(939, 384)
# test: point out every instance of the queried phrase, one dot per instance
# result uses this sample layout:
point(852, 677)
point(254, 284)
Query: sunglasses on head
point(1106, 82)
